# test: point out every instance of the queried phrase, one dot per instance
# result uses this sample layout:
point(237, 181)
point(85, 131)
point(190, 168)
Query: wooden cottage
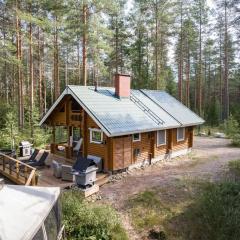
point(123, 127)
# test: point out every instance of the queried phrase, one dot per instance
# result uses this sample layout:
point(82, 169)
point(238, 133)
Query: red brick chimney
point(122, 85)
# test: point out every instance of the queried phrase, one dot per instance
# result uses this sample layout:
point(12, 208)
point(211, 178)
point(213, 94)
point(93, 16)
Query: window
point(96, 136)
point(180, 134)
point(136, 137)
point(76, 134)
point(75, 106)
point(136, 152)
point(161, 137)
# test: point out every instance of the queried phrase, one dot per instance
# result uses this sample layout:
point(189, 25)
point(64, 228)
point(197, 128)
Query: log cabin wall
point(162, 149)
point(96, 149)
point(184, 144)
point(143, 147)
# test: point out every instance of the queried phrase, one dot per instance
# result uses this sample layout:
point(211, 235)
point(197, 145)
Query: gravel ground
point(208, 160)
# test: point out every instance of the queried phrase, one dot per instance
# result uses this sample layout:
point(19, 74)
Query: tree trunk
point(220, 76)
point(79, 65)
point(156, 45)
point(56, 63)
point(226, 90)
point(187, 93)
point(199, 88)
point(84, 47)
point(116, 47)
point(40, 83)
point(31, 85)
point(19, 69)
point(180, 62)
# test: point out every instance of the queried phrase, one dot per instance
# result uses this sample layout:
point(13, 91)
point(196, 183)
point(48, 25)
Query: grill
point(85, 172)
point(25, 148)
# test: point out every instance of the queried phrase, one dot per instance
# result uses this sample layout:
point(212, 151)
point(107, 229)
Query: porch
point(47, 179)
point(17, 172)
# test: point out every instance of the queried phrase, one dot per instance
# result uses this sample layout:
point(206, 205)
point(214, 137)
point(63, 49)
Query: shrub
point(231, 126)
point(234, 167)
point(89, 221)
point(216, 213)
point(236, 140)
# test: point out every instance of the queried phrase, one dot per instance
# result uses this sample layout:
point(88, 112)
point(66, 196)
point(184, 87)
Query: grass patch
point(234, 166)
point(147, 210)
point(234, 170)
point(152, 210)
point(188, 210)
point(90, 221)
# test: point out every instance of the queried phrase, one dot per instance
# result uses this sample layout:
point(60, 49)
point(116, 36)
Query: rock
point(219, 135)
point(202, 134)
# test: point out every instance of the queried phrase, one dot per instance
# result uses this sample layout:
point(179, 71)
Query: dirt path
point(207, 160)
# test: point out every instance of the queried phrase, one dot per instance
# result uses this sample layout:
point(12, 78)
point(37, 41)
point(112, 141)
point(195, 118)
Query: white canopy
point(23, 210)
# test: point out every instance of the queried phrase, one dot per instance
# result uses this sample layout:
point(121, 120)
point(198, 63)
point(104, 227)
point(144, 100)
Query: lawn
point(188, 210)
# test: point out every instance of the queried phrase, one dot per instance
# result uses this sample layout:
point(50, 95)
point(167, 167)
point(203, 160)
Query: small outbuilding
point(122, 126)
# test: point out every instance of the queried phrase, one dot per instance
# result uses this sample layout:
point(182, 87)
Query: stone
point(89, 191)
point(219, 135)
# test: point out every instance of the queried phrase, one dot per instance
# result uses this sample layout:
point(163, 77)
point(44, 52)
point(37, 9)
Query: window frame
point(165, 138)
point(91, 137)
point(183, 138)
point(136, 140)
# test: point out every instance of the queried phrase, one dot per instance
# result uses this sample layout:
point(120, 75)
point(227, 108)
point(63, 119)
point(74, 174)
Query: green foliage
point(231, 126)
point(88, 221)
point(236, 140)
point(212, 113)
point(234, 166)
point(10, 135)
point(231, 129)
point(9, 132)
point(215, 214)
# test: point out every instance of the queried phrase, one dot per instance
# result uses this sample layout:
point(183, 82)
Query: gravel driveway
point(208, 160)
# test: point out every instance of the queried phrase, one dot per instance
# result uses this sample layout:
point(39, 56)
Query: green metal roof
point(144, 111)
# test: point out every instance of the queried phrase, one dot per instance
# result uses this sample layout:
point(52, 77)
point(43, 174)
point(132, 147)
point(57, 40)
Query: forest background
point(189, 48)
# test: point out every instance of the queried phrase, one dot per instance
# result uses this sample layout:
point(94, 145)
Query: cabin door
point(122, 152)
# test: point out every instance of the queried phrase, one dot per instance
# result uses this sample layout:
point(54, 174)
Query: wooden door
point(127, 151)
point(122, 152)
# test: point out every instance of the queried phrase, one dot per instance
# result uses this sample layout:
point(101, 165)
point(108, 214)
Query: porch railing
point(17, 171)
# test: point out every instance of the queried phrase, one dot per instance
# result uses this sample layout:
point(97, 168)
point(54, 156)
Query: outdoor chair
point(57, 169)
point(67, 173)
point(40, 162)
point(78, 145)
point(34, 155)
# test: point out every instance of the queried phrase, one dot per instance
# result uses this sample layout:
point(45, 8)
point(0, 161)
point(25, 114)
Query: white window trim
point(161, 144)
point(136, 140)
point(95, 130)
point(183, 138)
